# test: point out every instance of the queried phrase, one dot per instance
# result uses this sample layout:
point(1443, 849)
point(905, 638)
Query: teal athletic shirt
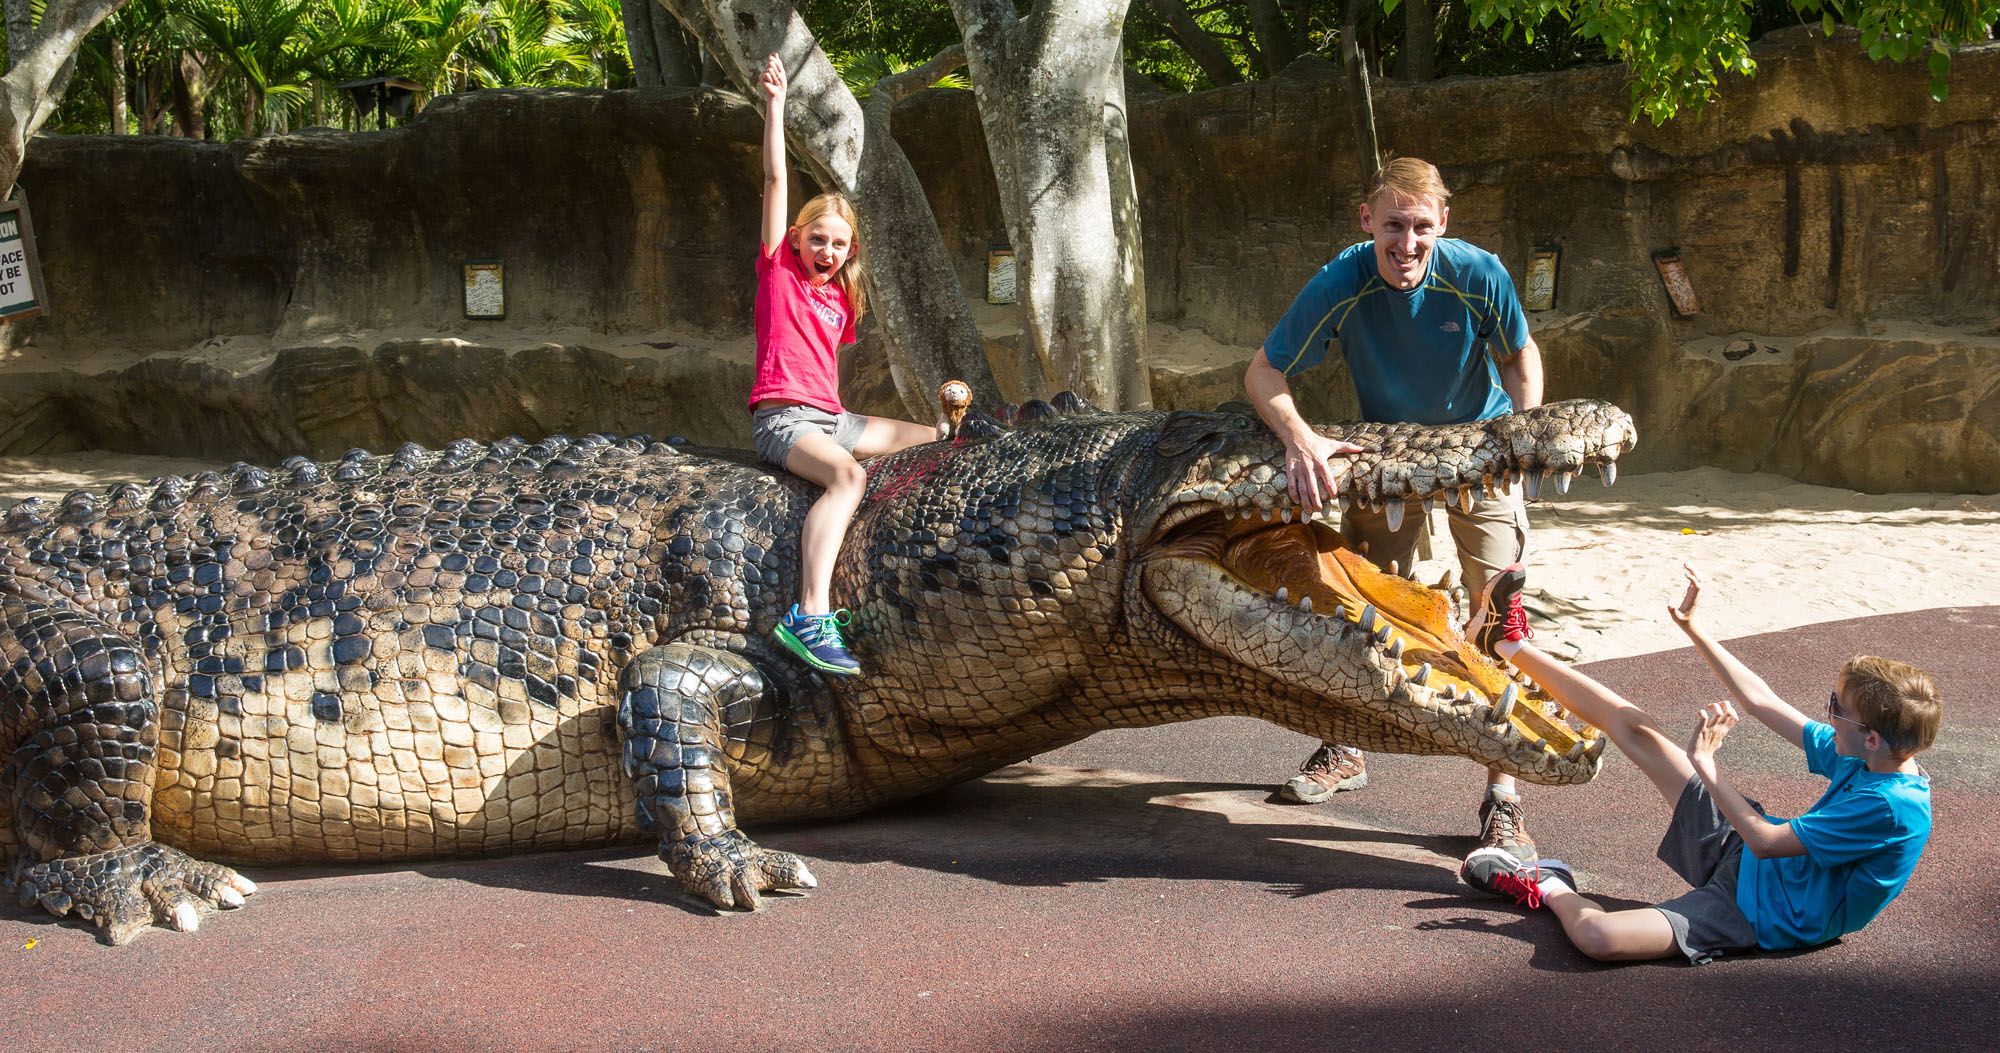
point(1862, 839)
point(1418, 357)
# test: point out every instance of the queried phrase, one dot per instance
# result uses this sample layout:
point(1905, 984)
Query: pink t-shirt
point(799, 326)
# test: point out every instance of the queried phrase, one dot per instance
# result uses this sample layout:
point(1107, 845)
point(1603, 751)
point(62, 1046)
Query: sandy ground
point(1604, 562)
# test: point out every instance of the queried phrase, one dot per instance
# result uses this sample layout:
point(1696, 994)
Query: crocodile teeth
point(1465, 498)
point(1283, 594)
point(1429, 506)
point(1368, 618)
point(1285, 514)
point(1394, 510)
point(1531, 483)
point(1340, 612)
point(1383, 633)
point(1608, 471)
point(1576, 752)
point(1343, 503)
point(1396, 649)
point(1267, 515)
point(1596, 749)
point(1305, 605)
point(1423, 675)
point(1562, 481)
point(1392, 569)
point(1505, 707)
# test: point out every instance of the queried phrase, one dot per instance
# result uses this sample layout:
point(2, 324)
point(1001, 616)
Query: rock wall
point(301, 292)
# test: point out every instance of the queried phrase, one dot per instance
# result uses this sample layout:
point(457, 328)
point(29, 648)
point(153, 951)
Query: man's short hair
point(1409, 178)
point(1899, 702)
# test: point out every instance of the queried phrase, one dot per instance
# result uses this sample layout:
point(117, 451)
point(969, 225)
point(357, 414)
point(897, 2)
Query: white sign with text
point(18, 274)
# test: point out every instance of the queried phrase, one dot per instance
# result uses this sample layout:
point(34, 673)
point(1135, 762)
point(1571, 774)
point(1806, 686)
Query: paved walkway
point(1139, 890)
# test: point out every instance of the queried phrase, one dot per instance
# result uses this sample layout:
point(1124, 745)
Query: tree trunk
point(1419, 40)
point(41, 60)
point(1200, 45)
point(1135, 383)
point(663, 55)
point(1360, 101)
point(114, 94)
point(1044, 84)
point(913, 287)
point(190, 92)
point(1274, 36)
point(147, 97)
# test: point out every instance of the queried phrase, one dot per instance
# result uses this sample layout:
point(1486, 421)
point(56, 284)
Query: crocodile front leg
point(674, 703)
point(79, 731)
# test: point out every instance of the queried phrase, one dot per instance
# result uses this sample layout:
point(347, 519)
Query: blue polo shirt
point(1862, 840)
point(1418, 356)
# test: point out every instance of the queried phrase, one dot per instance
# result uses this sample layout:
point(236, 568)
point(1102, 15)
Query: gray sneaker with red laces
point(1500, 617)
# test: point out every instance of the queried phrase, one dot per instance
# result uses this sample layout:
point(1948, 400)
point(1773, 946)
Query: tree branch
point(1196, 41)
point(899, 86)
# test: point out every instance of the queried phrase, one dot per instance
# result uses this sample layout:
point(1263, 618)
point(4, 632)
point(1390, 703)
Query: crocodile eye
point(1240, 423)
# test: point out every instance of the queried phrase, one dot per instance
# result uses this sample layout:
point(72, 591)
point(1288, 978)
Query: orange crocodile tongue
point(1424, 616)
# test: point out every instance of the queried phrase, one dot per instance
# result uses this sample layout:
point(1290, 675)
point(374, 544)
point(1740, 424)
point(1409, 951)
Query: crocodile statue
point(491, 648)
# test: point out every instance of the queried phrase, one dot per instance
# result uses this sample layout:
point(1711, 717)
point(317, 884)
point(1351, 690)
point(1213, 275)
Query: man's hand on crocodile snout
point(1308, 475)
point(729, 869)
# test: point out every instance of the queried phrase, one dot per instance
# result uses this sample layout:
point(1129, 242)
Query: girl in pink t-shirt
point(809, 299)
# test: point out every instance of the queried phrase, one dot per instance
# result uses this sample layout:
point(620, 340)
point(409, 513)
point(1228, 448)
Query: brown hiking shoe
point(1332, 769)
point(1503, 826)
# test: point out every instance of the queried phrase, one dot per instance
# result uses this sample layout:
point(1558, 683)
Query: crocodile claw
point(125, 891)
point(729, 870)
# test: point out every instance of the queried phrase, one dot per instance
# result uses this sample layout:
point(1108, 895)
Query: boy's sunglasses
point(1833, 710)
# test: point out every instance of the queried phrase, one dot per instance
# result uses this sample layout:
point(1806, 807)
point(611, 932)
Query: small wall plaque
point(485, 289)
point(1680, 291)
point(999, 274)
point(1539, 292)
point(20, 268)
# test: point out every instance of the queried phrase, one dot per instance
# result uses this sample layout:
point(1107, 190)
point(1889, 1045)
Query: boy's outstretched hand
point(1716, 722)
point(1683, 615)
point(774, 78)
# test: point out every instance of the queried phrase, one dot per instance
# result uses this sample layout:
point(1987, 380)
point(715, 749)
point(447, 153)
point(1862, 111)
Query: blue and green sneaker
point(817, 640)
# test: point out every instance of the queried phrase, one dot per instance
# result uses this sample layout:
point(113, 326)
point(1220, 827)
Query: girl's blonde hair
point(851, 273)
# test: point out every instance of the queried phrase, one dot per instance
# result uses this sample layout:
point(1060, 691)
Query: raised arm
point(776, 200)
point(1764, 839)
point(1749, 689)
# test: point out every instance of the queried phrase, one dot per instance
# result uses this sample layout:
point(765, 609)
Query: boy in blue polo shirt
point(1759, 882)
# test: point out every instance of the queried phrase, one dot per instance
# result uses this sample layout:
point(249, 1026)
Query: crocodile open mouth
point(1312, 610)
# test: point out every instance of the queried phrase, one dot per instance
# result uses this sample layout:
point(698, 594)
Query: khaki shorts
point(1489, 538)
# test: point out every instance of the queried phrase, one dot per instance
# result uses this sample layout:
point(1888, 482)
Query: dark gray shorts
point(776, 430)
point(1705, 851)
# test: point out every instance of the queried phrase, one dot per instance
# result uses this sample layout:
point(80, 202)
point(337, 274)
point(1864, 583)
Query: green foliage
point(1677, 50)
point(272, 64)
point(861, 69)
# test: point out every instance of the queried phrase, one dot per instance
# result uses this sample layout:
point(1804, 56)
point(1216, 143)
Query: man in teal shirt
point(1433, 333)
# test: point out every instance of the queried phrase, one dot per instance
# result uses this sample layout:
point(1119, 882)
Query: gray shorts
point(1705, 851)
point(776, 430)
